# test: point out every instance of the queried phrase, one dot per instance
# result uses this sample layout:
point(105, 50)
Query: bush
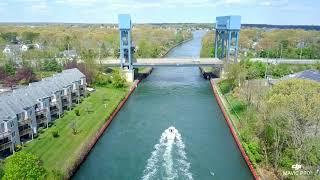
point(55, 134)
point(40, 130)
point(77, 112)
point(118, 80)
point(50, 124)
point(23, 165)
point(102, 80)
point(17, 148)
point(225, 86)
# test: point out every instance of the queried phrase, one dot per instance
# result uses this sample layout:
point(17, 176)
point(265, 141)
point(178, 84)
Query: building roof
point(18, 100)
point(307, 74)
point(69, 53)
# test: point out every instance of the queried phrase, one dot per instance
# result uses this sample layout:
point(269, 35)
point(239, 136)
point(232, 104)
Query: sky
point(284, 12)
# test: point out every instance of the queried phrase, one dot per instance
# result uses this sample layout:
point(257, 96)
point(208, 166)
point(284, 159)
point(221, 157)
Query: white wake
point(168, 160)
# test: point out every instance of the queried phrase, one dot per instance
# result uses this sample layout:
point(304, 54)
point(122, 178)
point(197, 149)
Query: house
point(24, 47)
point(69, 54)
point(15, 49)
point(309, 74)
point(37, 46)
point(8, 128)
point(313, 75)
point(23, 111)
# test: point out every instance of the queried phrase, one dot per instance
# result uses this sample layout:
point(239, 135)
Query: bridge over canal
point(168, 62)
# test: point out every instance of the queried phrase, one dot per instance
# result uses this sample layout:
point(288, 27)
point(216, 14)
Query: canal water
point(138, 144)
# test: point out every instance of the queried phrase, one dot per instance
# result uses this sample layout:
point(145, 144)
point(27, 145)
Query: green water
point(133, 147)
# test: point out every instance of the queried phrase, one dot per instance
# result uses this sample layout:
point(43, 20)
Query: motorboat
point(171, 133)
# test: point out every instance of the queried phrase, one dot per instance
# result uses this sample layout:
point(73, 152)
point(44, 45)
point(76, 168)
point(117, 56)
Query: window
point(11, 124)
point(13, 134)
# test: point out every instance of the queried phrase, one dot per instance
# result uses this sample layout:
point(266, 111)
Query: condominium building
point(23, 111)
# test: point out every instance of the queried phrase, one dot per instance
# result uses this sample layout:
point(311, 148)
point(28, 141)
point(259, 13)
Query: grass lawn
point(60, 153)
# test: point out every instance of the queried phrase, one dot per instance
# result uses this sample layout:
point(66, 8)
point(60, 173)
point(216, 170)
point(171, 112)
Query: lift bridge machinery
point(227, 37)
point(126, 47)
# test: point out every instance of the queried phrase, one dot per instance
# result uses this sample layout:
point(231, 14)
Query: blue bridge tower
point(126, 48)
point(227, 37)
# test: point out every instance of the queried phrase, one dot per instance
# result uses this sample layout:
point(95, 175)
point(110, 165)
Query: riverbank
point(226, 113)
point(62, 155)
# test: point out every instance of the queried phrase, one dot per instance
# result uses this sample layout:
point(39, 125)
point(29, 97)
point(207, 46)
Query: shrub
point(17, 148)
point(50, 124)
point(118, 81)
point(55, 134)
point(23, 165)
point(225, 86)
point(77, 112)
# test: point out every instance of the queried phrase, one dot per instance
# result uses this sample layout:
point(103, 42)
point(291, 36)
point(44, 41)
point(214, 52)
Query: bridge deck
point(168, 62)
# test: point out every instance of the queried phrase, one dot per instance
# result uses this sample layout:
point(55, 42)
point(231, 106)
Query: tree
point(10, 81)
point(235, 74)
point(74, 127)
point(292, 112)
point(23, 165)
point(9, 36)
point(9, 68)
point(2, 73)
point(29, 37)
point(51, 65)
point(25, 75)
point(86, 70)
point(118, 80)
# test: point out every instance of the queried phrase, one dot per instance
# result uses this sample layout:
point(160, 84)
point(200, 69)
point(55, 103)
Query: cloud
point(274, 3)
point(39, 8)
point(86, 3)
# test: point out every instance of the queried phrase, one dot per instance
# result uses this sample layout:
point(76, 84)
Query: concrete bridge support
point(212, 72)
point(129, 74)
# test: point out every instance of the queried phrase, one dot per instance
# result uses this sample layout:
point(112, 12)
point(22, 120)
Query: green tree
point(292, 119)
point(29, 37)
point(118, 81)
point(9, 36)
point(51, 65)
point(23, 165)
point(235, 74)
point(9, 68)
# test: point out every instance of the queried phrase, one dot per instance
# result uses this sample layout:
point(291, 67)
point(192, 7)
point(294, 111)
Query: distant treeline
point(185, 25)
point(270, 26)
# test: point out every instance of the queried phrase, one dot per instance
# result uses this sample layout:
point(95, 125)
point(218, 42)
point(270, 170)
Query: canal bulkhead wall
point(232, 130)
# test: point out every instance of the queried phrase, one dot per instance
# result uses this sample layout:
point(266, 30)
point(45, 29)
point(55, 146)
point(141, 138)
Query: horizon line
point(141, 23)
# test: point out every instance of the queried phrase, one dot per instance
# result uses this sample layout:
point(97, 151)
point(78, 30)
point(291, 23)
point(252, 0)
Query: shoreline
point(232, 130)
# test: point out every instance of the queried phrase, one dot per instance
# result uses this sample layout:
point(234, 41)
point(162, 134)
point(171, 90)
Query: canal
point(135, 145)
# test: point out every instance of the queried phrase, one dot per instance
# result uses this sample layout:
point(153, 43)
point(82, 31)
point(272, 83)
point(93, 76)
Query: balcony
point(5, 145)
point(41, 120)
point(5, 140)
point(40, 111)
point(54, 110)
point(24, 121)
point(24, 132)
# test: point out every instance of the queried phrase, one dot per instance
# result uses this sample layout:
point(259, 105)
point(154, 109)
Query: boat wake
point(168, 160)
